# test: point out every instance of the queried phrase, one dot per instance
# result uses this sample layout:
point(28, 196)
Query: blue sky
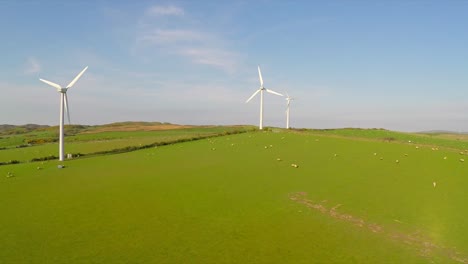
point(400, 65)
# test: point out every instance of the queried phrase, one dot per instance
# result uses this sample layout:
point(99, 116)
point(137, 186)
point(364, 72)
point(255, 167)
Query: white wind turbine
point(63, 103)
point(260, 90)
point(288, 99)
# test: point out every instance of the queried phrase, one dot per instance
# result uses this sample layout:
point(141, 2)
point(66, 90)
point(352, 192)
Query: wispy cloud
point(168, 36)
point(158, 10)
point(214, 57)
point(32, 66)
point(179, 37)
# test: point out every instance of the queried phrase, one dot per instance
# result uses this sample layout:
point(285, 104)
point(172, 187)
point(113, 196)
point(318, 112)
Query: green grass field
point(237, 199)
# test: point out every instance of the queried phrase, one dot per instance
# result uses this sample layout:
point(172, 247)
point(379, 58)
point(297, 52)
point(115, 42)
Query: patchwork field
point(352, 198)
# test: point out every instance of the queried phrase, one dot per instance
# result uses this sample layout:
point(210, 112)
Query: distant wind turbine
point(63, 104)
point(288, 99)
point(260, 90)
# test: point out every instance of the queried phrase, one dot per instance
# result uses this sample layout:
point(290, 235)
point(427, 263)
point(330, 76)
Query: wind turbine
point(63, 103)
point(288, 99)
point(260, 90)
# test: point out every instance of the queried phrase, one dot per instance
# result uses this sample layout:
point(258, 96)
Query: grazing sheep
point(434, 184)
point(381, 158)
point(375, 154)
point(213, 148)
point(445, 158)
point(397, 161)
point(278, 159)
point(294, 165)
point(417, 147)
point(462, 160)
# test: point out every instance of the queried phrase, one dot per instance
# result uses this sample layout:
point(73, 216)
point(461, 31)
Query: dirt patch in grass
point(423, 244)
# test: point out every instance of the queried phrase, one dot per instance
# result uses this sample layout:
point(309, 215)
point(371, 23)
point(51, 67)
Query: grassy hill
point(355, 196)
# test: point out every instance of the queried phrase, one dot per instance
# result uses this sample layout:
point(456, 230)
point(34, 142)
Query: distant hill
point(73, 129)
point(441, 132)
point(12, 129)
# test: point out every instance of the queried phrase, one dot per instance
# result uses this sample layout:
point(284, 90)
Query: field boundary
point(132, 148)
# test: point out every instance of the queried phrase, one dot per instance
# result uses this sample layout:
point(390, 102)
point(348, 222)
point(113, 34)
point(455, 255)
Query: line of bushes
point(51, 157)
point(10, 162)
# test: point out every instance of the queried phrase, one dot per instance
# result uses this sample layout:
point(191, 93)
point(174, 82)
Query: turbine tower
point(260, 90)
point(288, 99)
point(63, 104)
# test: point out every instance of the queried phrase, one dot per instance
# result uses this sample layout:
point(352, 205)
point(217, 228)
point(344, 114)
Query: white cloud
point(165, 11)
point(32, 66)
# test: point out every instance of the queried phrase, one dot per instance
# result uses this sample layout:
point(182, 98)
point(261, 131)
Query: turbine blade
point(51, 84)
point(260, 75)
point(67, 109)
point(77, 77)
point(273, 92)
point(253, 95)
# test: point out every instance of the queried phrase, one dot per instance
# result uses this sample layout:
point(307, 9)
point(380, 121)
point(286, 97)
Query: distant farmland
point(356, 196)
